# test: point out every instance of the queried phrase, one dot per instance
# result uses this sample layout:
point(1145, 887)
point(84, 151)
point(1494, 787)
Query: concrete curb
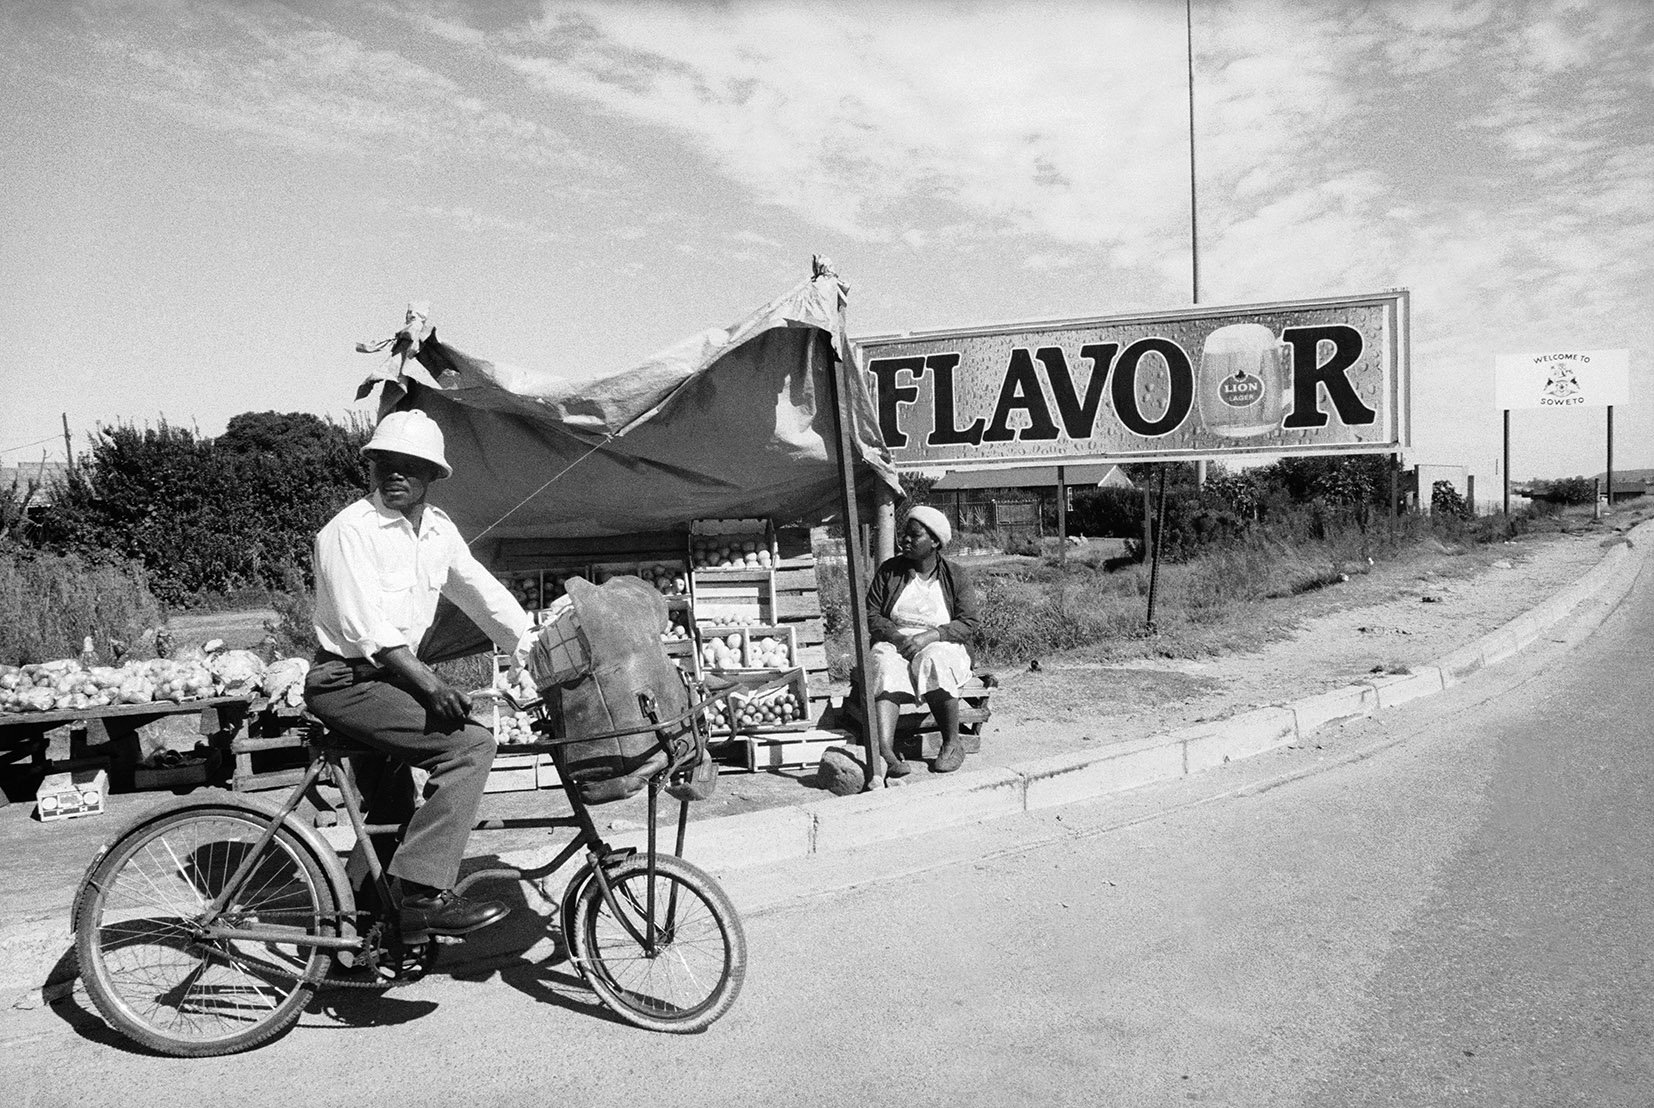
point(735, 842)
point(34, 953)
point(822, 827)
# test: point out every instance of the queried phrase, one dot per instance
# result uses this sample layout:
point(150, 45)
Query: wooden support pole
point(884, 548)
point(838, 390)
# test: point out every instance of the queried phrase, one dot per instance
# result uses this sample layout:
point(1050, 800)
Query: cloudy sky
point(207, 204)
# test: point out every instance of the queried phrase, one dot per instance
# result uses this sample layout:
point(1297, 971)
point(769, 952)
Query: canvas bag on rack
point(620, 623)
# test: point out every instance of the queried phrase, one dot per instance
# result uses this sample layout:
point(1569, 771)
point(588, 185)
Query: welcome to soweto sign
point(1306, 377)
point(1562, 379)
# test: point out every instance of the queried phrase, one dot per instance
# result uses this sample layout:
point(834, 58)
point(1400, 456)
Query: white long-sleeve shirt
point(377, 583)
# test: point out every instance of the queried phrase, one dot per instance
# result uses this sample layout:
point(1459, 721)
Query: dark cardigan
point(957, 591)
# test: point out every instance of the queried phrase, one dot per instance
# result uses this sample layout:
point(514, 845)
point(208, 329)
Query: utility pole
point(68, 445)
point(1194, 224)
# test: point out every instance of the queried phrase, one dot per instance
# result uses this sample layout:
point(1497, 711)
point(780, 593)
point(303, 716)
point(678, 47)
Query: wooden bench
point(916, 727)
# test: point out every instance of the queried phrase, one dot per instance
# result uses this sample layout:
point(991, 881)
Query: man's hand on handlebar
point(441, 699)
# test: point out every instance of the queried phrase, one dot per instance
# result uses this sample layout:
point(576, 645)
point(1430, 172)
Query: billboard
point(1303, 377)
point(1562, 379)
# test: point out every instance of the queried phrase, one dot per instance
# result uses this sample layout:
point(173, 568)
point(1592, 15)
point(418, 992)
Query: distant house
point(1628, 484)
point(43, 475)
point(1015, 498)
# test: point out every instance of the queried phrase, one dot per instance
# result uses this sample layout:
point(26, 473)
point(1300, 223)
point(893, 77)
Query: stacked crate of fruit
point(770, 647)
point(775, 709)
point(722, 651)
point(524, 584)
point(732, 572)
point(607, 571)
point(553, 577)
point(669, 578)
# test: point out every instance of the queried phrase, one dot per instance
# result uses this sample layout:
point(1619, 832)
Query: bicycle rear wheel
point(161, 979)
point(699, 960)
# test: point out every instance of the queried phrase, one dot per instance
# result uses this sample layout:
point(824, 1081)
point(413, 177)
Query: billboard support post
point(1507, 463)
point(1610, 459)
point(1062, 517)
point(1149, 627)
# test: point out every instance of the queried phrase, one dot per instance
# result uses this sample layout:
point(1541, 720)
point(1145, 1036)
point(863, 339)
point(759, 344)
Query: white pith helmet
point(413, 433)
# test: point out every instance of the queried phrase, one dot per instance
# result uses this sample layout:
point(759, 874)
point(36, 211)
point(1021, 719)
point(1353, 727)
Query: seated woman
point(921, 614)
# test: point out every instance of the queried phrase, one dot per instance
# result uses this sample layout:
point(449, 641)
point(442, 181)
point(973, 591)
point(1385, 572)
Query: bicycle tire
point(566, 912)
point(571, 900)
point(154, 978)
point(700, 941)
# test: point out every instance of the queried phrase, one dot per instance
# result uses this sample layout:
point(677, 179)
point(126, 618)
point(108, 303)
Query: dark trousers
point(363, 702)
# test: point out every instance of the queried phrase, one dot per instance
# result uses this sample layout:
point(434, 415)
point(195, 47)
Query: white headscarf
point(933, 521)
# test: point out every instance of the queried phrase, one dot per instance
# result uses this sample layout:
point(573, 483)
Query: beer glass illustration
point(1242, 381)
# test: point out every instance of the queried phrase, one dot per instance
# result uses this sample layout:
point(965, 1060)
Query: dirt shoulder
point(1399, 615)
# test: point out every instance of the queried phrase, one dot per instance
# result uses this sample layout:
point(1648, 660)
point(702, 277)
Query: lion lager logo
point(1241, 391)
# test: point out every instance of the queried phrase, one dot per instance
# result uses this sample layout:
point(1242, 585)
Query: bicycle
point(206, 927)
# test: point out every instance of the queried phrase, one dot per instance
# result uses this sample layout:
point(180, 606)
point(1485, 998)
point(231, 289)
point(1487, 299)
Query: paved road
point(1451, 904)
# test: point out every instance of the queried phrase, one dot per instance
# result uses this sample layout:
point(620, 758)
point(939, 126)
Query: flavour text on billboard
point(1321, 358)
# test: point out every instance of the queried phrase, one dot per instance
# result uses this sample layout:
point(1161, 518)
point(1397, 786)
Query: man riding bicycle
point(381, 565)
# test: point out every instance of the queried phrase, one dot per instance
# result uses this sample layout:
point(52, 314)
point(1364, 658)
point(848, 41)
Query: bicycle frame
point(332, 760)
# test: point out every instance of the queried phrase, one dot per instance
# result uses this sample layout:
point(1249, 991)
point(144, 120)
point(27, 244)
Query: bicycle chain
point(371, 951)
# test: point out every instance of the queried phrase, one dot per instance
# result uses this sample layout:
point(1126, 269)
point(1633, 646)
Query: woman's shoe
point(949, 758)
point(896, 768)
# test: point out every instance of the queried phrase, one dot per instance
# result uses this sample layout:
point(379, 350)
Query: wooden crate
point(734, 597)
point(552, 578)
point(709, 538)
point(798, 749)
point(783, 640)
point(664, 574)
point(513, 773)
point(524, 584)
point(613, 567)
point(796, 686)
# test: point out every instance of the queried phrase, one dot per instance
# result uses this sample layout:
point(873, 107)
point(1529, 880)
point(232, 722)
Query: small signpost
point(1562, 379)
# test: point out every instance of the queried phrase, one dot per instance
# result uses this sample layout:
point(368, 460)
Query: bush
point(1446, 502)
point(49, 605)
point(1107, 513)
point(295, 605)
point(1569, 490)
point(208, 516)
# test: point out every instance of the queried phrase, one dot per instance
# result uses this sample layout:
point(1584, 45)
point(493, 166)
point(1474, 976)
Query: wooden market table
point(114, 728)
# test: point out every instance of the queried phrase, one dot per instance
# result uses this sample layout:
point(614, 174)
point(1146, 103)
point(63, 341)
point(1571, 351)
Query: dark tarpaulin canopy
point(733, 422)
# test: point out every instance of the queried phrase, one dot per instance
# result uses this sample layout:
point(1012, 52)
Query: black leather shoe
point(448, 913)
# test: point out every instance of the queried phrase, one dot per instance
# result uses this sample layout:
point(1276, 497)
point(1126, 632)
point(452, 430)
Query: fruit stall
point(742, 599)
point(233, 694)
point(701, 471)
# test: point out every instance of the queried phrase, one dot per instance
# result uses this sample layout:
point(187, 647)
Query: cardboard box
point(67, 795)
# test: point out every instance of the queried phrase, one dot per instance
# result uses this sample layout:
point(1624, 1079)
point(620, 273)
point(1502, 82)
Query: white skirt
point(941, 665)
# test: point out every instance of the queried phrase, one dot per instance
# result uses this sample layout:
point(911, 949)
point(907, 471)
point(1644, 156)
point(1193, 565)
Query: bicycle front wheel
point(692, 972)
point(161, 978)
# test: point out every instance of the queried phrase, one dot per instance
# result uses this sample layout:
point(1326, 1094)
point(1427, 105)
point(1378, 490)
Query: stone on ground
point(843, 770)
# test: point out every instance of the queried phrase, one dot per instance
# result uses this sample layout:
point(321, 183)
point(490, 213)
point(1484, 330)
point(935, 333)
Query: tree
point(209, 515)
